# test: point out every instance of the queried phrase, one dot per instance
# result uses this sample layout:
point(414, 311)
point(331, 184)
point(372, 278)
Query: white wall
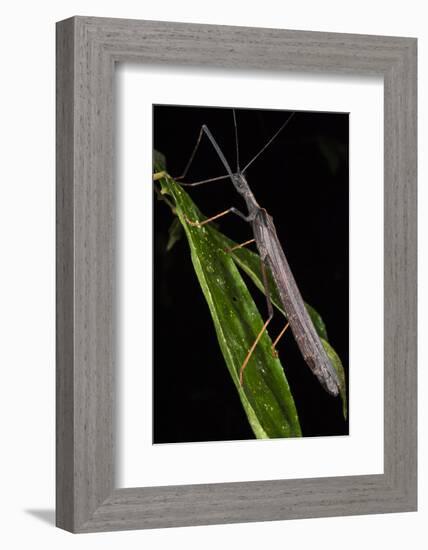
point(27, 270)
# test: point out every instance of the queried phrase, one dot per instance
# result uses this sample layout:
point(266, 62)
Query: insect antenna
point(269, 142)
point(236, 141)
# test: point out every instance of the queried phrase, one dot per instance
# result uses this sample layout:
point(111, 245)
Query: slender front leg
point(192, 156)
point(205, 130)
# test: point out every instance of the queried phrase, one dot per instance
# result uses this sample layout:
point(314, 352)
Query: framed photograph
point(236, 274)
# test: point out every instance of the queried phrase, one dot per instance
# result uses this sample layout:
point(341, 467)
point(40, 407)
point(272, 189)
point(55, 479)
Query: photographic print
point(251, 274)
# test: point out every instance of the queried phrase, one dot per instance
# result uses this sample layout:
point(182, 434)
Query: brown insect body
point(301, 325)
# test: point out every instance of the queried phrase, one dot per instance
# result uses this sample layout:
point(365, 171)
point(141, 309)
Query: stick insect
point(272, 257)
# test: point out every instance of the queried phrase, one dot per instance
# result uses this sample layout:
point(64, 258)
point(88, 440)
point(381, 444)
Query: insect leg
point(268, 320)
point(196, 183)
point(192, 156)
point(239, 245)
point(280, 335)
point(253, 347)
point(205, 130)
point(232, 210)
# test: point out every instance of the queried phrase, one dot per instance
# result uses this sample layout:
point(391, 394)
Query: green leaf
point(159, 161)
point(265, 393)
point(317, 321)
point(338, 367)
point(175, 232)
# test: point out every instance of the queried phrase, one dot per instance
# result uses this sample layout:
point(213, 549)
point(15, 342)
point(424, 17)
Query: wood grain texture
point(87, 49)
point(64, 278)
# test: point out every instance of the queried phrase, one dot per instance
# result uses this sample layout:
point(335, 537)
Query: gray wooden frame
point(87, 50)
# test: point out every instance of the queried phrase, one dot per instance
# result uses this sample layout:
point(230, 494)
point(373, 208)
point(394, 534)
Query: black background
point(302, 180)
